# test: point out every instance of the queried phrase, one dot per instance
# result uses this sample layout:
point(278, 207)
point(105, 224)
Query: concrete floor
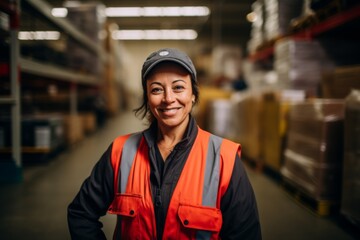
point(36, 208)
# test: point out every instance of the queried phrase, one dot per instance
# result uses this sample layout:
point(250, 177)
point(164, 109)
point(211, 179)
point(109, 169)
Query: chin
point(171, 122)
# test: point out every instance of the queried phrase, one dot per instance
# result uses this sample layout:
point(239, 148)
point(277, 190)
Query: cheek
point(153, 101)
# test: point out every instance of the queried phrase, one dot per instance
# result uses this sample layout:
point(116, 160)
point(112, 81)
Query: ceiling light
point(154, 34)
point(59, 12)
point(39, 35)
point(251, 17)
point(157, 11)
point(188, 11)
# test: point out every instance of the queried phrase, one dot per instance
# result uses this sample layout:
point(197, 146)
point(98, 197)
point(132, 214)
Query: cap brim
point(151, 67)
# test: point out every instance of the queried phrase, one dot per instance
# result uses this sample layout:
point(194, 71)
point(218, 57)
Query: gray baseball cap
point(169, 55)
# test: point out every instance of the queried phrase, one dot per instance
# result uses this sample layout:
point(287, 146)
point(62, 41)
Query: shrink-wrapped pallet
point(207, 95)
point(338, 83)
point(222, 118)
point(314, 149)
point(274, 125)
point(300, 64)
point(351, 167)
point(248, 107)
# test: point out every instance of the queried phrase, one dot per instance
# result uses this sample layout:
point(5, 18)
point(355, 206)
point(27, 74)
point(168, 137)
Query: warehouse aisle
point(36, 209)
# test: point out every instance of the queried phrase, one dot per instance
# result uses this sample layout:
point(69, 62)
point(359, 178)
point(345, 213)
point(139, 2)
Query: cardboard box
point(274, 125)
point(74, 129)
point(88, 122)
point(338, 84)
point(314, 149)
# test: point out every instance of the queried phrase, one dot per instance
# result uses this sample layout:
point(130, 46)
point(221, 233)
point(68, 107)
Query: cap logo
point(163, 53)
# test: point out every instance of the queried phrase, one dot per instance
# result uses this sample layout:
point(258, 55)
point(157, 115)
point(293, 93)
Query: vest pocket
point(127, 207)
point(200, 217)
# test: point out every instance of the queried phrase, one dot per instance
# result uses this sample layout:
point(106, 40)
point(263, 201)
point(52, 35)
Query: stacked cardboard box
point(338, 84)
point(314, 149)
point(274, 125)
point(88, 122)
point(300, 64)
point(74, 130)
point(222, 118)
point(278, 15)
point(207, 94)
point(351, 168)
point(257, 28)
point(248, 107)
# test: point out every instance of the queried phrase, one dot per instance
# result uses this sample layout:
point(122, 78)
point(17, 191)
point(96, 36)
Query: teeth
point(168, 110)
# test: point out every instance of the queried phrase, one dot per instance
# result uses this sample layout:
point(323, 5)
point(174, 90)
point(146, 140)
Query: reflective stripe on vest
point(127, 158)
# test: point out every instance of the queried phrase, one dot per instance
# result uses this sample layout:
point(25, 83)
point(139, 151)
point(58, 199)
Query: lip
point(169, 111)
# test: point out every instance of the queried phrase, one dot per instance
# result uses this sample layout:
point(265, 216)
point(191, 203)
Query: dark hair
point(144, 111)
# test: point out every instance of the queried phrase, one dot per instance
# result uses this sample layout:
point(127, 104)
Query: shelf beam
point(7, 100)
point(51, 71)
point(45, 9)
point(330, 23)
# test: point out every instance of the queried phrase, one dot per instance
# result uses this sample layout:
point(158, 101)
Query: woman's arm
point(92, 201)
point(238, 206)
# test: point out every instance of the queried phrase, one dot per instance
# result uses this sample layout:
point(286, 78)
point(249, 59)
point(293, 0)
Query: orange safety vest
point(194, 209)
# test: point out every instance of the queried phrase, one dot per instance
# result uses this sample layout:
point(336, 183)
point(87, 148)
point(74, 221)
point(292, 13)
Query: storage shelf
point(45, 9)
point(7, 8)
point(263, 54)
point(51, 71)
point(331, 23)
point(7, 100)
point(28, 150)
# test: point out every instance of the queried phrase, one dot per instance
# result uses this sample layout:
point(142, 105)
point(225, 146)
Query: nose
point(168, 96)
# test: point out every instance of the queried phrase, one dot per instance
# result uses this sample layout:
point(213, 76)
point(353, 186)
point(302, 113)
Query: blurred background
point(280, 77)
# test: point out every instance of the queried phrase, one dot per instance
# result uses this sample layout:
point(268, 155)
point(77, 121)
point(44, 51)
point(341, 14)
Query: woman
point(173, 180)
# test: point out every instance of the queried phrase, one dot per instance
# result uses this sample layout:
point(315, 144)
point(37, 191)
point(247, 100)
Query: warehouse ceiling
point(226, 23)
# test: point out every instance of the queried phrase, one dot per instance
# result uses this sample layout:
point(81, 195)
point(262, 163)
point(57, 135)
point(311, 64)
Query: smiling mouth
point(165, 110)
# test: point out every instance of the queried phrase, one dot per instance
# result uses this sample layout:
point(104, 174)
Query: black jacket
point(238, 206)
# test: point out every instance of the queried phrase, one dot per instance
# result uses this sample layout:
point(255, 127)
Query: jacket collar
point(191, 131)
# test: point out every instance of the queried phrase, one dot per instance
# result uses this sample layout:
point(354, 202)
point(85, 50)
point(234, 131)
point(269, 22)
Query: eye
point(178, 88)
point(156, 90)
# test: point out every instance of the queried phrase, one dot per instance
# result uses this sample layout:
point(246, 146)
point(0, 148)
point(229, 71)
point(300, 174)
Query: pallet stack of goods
point(222, 117)
point(208, 94)
point(300, 64)
point(257, 31)
point(278, 15)
point(351, 167)
point(276, 106)
point(313, 156)
point(340, 82)
point(248, 107)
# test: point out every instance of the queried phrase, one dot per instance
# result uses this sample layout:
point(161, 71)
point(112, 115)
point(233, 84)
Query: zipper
point(158, 201)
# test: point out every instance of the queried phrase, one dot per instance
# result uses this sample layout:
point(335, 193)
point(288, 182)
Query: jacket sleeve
point(239, 208)
point(92, 201)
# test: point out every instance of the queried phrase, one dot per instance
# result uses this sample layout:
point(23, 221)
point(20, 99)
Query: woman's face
point(170, 95)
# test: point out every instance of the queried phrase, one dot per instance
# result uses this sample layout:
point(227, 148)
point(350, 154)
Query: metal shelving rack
point(39, 69)
point(331, 23)
point(12, 172)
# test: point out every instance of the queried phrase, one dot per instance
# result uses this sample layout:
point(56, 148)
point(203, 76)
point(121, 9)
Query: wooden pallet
point(321, 208)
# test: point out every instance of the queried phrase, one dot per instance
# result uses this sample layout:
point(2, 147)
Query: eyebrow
point(178, 80)
point(175, 81)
